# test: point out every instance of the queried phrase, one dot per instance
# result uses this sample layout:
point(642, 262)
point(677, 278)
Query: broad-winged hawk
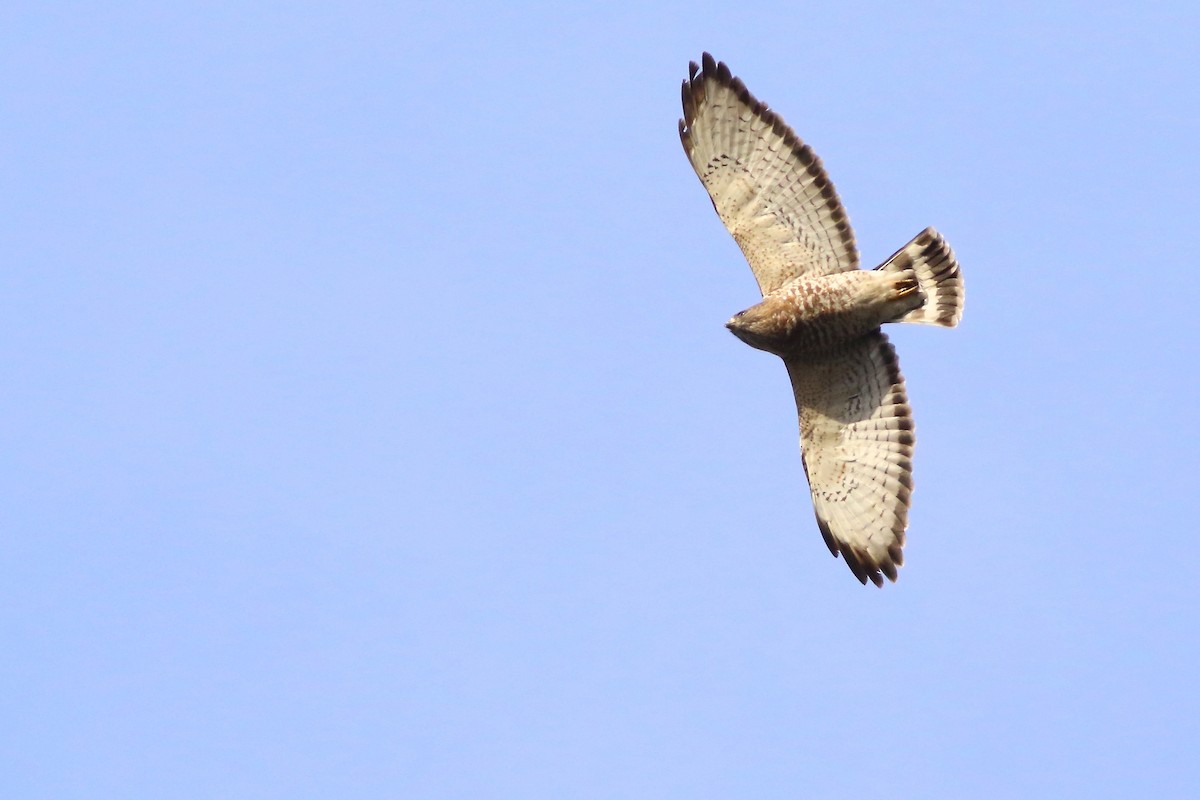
point(820, 313)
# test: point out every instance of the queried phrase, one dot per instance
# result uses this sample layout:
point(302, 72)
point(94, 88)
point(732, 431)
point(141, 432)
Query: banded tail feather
point(939, 279)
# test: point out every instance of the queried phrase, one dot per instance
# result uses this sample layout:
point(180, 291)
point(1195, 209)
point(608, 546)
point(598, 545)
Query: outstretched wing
point(856, 436)
point(768, 187)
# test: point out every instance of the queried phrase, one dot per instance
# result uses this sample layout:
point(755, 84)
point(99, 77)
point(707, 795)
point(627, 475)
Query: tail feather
point(938, 277)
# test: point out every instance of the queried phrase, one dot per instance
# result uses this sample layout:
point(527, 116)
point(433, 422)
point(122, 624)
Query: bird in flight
point(820, 313)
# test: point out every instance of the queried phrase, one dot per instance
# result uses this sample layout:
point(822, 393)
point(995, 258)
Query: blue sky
point(369, 427)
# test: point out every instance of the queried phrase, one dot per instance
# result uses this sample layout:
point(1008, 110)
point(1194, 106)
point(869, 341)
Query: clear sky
point(369, 429)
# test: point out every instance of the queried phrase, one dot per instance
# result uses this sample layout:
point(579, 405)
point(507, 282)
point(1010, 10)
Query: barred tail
point(938, 278)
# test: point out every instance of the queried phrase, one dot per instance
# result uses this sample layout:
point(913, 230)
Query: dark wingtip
point(827, 534)
point(855, 565)
point(889, 569)
point(861, 564)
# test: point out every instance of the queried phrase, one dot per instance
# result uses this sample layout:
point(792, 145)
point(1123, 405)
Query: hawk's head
point(765, 326)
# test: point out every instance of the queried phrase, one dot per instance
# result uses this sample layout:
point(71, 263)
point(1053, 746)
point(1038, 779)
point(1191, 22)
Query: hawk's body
point(820, 313)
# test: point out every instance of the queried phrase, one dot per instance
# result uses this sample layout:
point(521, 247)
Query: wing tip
point(861, 563)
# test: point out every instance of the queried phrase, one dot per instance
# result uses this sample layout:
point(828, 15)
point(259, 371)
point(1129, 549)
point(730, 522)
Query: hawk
point(820, 313)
